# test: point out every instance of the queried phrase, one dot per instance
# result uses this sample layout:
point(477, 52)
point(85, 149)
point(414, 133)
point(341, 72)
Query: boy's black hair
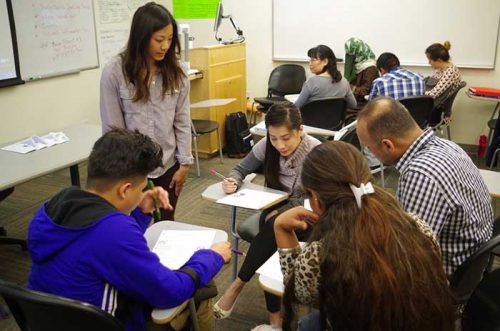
point(387, 61)
point(122, 154)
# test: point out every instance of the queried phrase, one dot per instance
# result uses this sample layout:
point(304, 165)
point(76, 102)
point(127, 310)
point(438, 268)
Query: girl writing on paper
point(327, 81)
point(360, 68)
point(447, 74)
point(146, 88)
point(368, 265)
point(280, 154)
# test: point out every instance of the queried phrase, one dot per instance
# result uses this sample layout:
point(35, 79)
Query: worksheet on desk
point(175, 247)
point(251, 199)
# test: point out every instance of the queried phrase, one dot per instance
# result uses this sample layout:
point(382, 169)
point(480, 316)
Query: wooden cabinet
point(224, 76)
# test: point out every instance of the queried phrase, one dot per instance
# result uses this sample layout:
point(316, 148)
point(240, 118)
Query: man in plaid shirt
point(396, 82)
point(438, 181)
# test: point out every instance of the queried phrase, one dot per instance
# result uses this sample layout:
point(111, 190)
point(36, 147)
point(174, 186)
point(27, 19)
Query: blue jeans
point(310, 322)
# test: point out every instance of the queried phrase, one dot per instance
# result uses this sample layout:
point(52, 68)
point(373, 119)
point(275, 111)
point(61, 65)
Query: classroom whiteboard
point(405, 28)
point(55, 37)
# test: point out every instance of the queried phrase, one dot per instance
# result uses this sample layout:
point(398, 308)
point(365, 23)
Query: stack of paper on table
point(175, 247)
point(252, 199)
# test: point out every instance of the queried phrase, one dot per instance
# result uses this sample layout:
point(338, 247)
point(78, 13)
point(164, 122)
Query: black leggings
point(261, 249)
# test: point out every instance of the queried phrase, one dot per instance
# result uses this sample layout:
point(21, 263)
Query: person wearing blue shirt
point(88, 244)
point(396, 82)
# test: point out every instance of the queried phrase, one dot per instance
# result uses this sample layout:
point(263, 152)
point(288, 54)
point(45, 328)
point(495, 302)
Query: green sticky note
point(187, 9)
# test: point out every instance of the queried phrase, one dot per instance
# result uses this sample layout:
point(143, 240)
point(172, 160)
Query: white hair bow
point(361, 190)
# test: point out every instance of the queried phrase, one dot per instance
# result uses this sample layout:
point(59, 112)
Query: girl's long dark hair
point(148, 19)
point(378, 270)
point(278, 115)
point(324, 52)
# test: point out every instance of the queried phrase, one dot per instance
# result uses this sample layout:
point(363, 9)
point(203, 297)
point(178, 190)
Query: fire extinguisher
point(481, 149)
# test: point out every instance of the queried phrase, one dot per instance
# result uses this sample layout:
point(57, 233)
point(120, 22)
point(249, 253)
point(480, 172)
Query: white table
point(497, 107)
point(261, 130)
point(19, 168)
point(492, 180)
point(292, 97)
point(214, 192)
point(162, 316)
point(212, 103)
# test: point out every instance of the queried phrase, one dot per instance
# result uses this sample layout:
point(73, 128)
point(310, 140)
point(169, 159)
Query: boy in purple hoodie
point(88, 244)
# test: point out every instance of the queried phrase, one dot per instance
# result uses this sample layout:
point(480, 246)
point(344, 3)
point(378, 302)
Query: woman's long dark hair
point(378, 270)
point(324, 52)
point(439, 51)
point(148, 19)
point(278, 115)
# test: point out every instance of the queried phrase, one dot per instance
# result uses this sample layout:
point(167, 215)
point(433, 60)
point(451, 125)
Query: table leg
point(497, 107)
point(194, 318)
point(236, 237)
point(75, 175)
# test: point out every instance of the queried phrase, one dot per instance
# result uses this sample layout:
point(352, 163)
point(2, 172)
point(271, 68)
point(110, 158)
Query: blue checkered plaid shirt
point(398, 83)
point(439, 183)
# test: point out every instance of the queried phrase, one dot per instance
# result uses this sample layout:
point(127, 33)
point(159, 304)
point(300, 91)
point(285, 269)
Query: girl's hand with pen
point(161, 196)
point(223, 248)
point(229, 185)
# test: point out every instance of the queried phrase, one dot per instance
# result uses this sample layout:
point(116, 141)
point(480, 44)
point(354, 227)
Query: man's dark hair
point(387, 61)
point(386, 118)
point(121, 154)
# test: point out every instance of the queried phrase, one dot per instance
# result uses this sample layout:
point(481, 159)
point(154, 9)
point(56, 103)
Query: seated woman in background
point(360, 68)
point(368, 265)
point(281, 155)
point(447, 74)
point(327, 81)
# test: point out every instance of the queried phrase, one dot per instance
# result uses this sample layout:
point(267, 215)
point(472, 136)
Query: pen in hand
point(215, 173)
point(156, 212)
point(235, 251)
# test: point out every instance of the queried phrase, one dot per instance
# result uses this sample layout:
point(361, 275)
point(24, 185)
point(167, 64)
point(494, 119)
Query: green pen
point(156, 212)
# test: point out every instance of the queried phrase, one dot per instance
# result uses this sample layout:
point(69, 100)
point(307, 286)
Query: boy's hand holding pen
point(156, 198)
point(229, 185)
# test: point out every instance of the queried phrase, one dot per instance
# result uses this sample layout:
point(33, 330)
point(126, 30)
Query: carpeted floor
point(16, 212)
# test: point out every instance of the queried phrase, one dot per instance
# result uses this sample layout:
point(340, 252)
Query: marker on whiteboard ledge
point(215, 173)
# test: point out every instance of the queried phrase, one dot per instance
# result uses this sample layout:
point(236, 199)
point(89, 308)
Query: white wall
point(49, 104)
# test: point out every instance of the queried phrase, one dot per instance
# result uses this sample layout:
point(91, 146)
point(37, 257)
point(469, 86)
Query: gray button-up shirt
point(166, 119)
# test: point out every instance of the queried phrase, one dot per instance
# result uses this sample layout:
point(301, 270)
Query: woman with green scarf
point(360, 69)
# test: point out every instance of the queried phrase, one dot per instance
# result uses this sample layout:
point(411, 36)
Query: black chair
point(37, 311)
point(328, 113)
point(249, 228)
point(349, 135)
point(465, 279)
point(284, 79)
point(441, 114)
point(199, 128)
point(420, 108)
point(4, 240)
point(482, 311)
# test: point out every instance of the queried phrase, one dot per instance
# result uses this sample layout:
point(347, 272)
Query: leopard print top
point(304, 262)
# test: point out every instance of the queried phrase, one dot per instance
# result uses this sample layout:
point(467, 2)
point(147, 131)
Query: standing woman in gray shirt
point(327, 81)
point(145, 88)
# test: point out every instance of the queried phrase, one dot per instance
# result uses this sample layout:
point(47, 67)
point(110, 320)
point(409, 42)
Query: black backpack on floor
point(239, 140)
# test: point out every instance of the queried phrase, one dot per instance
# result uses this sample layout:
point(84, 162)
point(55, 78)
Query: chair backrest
point(349, 135)
point(443, 104)
point(465, 279)
point(36, 311)
point(482, 311)
point(420, 108)
point(286, 79)
point(326, 113)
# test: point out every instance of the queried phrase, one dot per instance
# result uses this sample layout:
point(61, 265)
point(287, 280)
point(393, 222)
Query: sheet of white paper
point(307, 204)
point(35, 143)
point(175, 247)
point(251, 199)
